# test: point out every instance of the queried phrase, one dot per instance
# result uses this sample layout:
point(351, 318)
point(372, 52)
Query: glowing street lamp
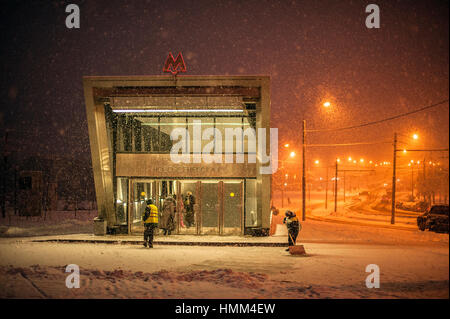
point(316, 162)
point(349, 158)
point(362, 160)
point(415, 136)
point(286, 145)
point(326, 104)
point(292, 154)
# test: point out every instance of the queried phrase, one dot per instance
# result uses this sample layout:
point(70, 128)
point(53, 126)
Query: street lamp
point(326, 104)
point(415, 136)
point(292, 154)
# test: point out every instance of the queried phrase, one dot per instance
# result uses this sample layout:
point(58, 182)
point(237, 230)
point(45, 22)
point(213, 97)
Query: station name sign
point(160, 165)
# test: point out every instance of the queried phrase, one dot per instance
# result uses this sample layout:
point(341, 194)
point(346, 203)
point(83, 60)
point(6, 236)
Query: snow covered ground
point(413, 264)
point(55, 222)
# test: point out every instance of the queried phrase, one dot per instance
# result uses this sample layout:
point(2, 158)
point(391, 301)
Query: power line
point(380, 121)
point(425, 150)
point(349, 144)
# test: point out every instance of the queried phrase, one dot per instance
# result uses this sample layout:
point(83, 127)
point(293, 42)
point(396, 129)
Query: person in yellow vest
point(150, 219)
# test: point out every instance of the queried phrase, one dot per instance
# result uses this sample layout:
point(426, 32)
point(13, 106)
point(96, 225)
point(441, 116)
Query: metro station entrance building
point(130, 121)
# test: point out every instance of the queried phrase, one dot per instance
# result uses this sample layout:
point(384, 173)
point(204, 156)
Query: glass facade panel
point(190, 208)
point(209, 203)
point(205, 123)
point(251, 213)
point(142, 192)
point(122, 200)
point(232, 207)
point(166, 125)
point(149, 134)
point(248, 147)
point(234, 137)
point(152, 134)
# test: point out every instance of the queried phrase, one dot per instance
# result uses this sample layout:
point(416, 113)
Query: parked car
point(434, 219)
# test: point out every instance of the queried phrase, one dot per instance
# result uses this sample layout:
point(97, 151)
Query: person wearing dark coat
point(150, 220)
point(168, 215)
point(293, 226)
point(189, 202)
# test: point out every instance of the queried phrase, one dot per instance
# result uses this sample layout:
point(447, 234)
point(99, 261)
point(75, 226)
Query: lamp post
point(303, 170)
point(335, 185)
point(394, 180)
point(412, 182)
point(326, 191)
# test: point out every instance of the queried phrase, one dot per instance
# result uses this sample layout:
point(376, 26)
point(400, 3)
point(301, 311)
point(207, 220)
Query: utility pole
point(4, 168)
point(344, 186)
point(15, 190)
point(425, 188)
point(335, 186)
point(326, 191)
point(394, 179)
point(303, 170)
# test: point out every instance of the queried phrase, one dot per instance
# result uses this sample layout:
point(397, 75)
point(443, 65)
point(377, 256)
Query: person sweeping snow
point(293, 226)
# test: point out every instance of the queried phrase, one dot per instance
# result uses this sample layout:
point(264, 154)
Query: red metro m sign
point(174, 65)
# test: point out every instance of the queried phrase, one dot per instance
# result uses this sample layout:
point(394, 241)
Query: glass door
point(189, 198)
point(140, 192)
point(233, 204)
point(209, 207)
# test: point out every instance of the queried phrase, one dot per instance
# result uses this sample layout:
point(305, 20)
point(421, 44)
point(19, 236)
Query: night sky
point(313, 50)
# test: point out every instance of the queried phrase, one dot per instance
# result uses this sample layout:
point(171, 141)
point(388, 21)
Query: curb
point(185, 243)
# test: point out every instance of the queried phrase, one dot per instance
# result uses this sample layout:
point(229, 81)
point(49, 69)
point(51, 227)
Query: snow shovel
point(296, 249)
